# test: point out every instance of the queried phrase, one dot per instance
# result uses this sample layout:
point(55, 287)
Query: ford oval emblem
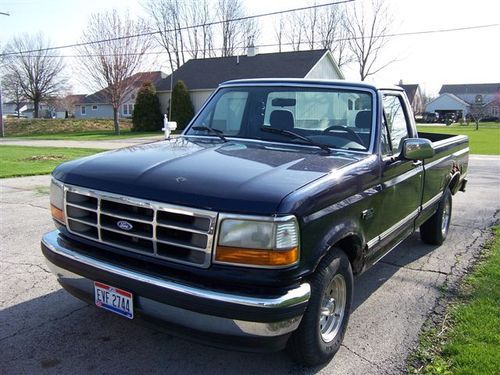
point(125, 225)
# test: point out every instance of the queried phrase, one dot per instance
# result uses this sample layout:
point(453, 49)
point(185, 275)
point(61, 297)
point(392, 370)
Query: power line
point(149, 33)
point(409, 33)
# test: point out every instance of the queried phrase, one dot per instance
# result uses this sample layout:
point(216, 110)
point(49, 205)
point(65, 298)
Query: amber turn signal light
point(257, 257)
point(57, 214)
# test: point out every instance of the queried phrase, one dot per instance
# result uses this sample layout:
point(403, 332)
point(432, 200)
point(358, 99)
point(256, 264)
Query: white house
point(459, 98)
point(202, 76)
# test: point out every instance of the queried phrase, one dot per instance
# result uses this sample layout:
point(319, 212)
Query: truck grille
point(179, 234)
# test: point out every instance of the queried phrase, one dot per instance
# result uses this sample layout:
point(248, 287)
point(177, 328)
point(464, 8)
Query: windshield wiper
point(291, 134)
point(213, 131)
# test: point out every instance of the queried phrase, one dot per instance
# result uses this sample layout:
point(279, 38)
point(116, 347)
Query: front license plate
point(113, 299)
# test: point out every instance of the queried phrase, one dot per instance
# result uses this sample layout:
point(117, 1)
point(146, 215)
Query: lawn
point(468, 342)
point(485, 141)
point(27, 161)
point(71, 129)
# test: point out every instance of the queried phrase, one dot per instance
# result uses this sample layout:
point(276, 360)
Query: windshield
point(337, 118)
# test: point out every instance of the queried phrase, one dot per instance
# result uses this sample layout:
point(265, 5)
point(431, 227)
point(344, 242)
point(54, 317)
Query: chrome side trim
point(401, 178)
point(399, 224)
point(438, 161)
point(293, 297)
point(431, 201)
point(393, 229)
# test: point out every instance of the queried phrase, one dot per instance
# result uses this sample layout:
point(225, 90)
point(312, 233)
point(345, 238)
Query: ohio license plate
point(113, 299)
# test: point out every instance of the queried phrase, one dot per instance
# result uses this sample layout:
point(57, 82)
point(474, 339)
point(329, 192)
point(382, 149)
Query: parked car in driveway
point(246, 231)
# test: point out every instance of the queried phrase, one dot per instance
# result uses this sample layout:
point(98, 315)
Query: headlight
point(263, 243)
point(57, 200)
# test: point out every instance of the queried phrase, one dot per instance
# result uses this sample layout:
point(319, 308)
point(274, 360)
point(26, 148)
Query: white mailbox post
point(168, 126)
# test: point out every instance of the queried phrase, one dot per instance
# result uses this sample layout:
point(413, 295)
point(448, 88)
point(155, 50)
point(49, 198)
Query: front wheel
point(435, 229)
point(324, 323)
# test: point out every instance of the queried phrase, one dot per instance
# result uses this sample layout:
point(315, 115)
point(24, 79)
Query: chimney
point(400, 82)
point(251, 50)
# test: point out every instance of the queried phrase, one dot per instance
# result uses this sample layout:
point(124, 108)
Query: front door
point(401, 180)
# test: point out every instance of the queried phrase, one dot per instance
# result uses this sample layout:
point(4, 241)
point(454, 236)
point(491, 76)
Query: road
point(44, 329)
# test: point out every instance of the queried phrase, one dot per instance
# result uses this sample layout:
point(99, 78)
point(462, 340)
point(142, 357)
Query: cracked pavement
point(44, 329)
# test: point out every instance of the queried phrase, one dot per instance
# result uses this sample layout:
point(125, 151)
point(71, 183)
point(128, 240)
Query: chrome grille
point(179, 234)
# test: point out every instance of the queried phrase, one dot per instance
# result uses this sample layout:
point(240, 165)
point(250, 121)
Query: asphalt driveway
point(44, 329)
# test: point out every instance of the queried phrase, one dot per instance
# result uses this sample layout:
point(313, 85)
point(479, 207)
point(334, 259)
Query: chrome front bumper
point(55, 247)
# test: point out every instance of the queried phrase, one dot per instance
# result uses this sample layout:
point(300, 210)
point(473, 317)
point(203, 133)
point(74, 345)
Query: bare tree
point(279, 29)
point(235, 34)
point(39, 74)
point(200, 39)
point(477, 112)
point(367, 27)
point(167, 17)
point(294, 30)
point(333, 36)
point(13, 91)
point(109, 66)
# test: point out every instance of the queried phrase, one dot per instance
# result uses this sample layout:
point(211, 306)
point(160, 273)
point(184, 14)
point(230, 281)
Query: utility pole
point(2, 131)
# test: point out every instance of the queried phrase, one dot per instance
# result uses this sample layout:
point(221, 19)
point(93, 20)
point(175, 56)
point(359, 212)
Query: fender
point(350, 238)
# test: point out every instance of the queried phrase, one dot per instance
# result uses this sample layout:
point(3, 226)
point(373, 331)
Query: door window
point(396, 122)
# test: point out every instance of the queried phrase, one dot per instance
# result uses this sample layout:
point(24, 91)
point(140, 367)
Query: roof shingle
point(209, 73)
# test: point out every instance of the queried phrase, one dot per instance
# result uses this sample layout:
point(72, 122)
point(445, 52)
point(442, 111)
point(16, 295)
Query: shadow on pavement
point(66, 335)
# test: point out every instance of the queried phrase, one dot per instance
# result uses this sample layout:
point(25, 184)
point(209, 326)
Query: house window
point(94, 108)
point(349, 105)
point(83, 110)
point(128, 109)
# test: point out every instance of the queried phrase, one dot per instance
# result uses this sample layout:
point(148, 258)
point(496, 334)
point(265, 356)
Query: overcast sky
point(471, 56)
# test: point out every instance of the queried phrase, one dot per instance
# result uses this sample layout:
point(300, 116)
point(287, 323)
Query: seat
point(363, 120)
point(281, 119)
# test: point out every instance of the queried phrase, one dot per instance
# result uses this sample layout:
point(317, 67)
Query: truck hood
point(237, 176)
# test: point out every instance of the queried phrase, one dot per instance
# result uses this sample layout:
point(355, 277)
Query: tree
point(367, 30)
point(147, 113)
point(110, 66)
point(38, 74)
point(13, 91)
point(477, 112)
point(182, 108)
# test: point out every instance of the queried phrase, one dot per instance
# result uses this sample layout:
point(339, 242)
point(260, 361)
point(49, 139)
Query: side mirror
point(417, 149)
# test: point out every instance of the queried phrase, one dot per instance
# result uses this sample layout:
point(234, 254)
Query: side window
point(396, 122)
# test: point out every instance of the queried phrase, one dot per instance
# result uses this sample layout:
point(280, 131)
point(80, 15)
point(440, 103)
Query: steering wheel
point(353, 136)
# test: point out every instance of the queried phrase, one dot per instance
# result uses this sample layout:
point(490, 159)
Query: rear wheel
point(323, 325)
point(435, 229)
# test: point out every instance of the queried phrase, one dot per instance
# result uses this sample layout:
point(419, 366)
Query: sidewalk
point(102, 144)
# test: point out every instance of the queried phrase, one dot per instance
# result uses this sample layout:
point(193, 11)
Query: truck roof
point(301, 81)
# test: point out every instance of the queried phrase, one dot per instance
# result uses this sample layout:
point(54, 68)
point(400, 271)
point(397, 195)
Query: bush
point(147, 112)
point(182, 107)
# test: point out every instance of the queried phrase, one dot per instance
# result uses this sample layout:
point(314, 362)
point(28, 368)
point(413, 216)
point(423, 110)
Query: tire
point(319, 335)
point(435, 229)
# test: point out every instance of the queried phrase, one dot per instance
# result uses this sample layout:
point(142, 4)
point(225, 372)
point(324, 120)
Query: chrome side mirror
point(417, 149)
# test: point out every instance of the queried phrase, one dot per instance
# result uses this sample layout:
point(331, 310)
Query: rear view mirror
point(283, 102)
point(417, 149)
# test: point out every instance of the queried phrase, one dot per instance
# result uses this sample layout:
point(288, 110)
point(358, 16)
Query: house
point(97, 105)
point(459, 98)
point(202, 76)
point(415, 97)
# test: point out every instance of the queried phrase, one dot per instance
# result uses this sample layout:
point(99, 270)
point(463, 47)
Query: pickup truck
point(247, 230)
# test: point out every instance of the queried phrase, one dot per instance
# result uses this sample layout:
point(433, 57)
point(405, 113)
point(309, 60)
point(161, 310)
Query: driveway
point(44, 329)
point(103, 144)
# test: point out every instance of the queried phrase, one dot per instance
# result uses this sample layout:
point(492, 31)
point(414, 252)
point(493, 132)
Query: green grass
point(485, 141)
point(28, 161)
point(468, 342)
point(93, 135)
point(71, 129)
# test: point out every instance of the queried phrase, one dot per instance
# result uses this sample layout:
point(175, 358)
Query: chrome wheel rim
point(445, 220)
point(332, 308)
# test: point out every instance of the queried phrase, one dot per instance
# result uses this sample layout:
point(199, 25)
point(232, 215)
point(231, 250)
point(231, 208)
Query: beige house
point(203, 76)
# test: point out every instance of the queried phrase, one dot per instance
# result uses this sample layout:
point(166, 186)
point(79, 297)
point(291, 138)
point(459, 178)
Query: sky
point(471, 56)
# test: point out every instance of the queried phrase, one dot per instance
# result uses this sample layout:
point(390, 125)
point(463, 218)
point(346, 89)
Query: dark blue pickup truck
point(248, 228)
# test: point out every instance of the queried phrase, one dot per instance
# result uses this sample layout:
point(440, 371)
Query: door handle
point(417, 163)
